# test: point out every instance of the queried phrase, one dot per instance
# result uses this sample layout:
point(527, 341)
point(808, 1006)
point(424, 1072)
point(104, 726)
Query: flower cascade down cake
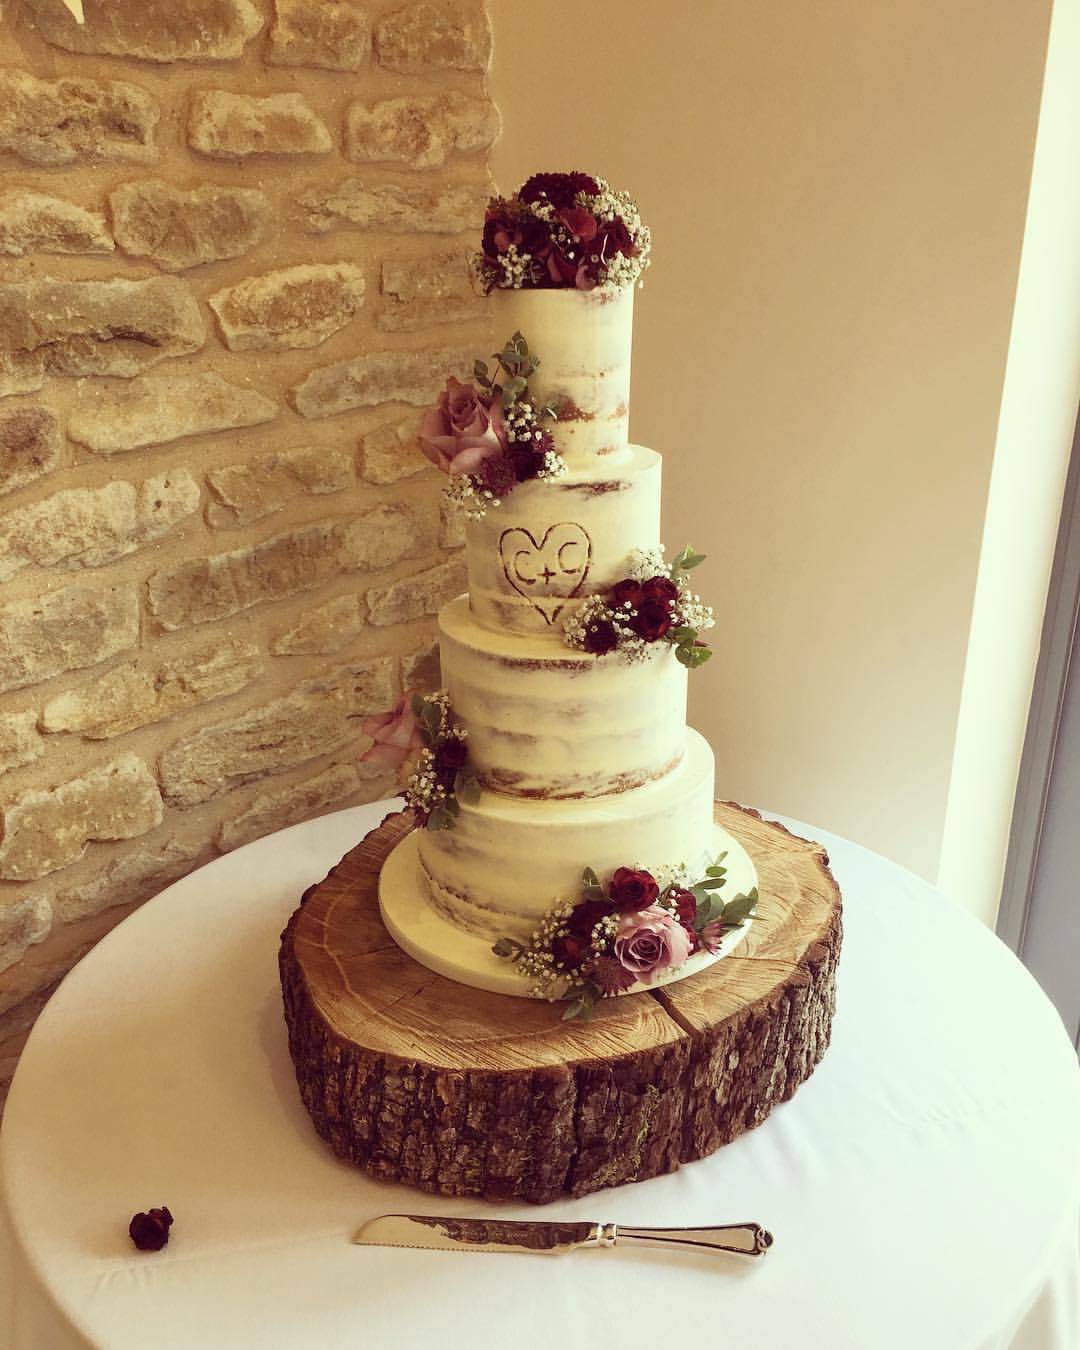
point(566, 845)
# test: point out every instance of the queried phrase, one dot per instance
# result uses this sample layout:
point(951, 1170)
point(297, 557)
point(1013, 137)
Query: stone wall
point(232, 269)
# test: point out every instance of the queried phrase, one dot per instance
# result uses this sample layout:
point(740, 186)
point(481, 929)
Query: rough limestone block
point(249, 491)
point(420, 669)
point(380, 377)
point(391, 452)
point(201, 590)
point(293, 307)
point(38, 222)
point(30, 446)
point(323, 630)
point(77, 328)
point(318, 717)
point(419, 38)
point(152, 30)
point(328, 34)
point(421, 131)
point(420, 292)
point(65, 121)
point(67, 629)
point(154, 410)
point(19, 740)
point(286, 805)
point(142, 871)
point(228, 126)
point(88, 527)
point(125, 697)
point(414, 596)
point(24, 921)
point(45, 829)
point(358, 205)
point(177, 229)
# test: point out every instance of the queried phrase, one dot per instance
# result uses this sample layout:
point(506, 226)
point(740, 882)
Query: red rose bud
point(571, 950)
point(632, 889)
point(626, 592)
point(150, 1231)
point(600, 638)
point(584, 917)
point(659, 588)
point(685, 906)
point(451, 754)
point(652, 621)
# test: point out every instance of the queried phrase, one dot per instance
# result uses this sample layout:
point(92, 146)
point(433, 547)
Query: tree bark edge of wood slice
point(463, 1093)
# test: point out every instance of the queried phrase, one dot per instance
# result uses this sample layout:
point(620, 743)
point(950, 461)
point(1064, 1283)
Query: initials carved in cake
point(548, 571)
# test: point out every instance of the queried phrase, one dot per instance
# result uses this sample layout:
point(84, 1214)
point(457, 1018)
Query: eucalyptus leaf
point(590, 879)
point(716, 871)
point(467, 788)
point(711, 883)
point(507, 947)
point(439, 819)
point(741, 907)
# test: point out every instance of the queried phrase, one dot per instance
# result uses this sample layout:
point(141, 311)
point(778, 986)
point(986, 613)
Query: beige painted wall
point(837, 193)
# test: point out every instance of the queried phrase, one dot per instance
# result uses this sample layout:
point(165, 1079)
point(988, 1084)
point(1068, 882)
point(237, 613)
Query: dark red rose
point(451, 754)
point(652, 620)
point(584, 917)
point(560, 189)
point(580, 223)
point(150, 1231)
point(600, 637)
point(659, 588)
point(525, 461)
point(625, 592)
point(609, 976)
point(632, 889)
point(571, 950)
point(496, 474)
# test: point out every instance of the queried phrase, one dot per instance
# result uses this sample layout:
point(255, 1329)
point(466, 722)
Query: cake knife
point(440, 1233)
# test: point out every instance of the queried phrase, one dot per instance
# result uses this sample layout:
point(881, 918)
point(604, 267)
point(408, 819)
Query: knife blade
point(436, 1232)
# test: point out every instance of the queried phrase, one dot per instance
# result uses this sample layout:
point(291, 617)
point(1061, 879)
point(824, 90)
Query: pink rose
point(463, 429)
point(650, 941)
point(396, 735)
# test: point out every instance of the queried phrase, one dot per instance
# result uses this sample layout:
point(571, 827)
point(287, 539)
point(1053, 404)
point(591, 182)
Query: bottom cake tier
point(446, 896)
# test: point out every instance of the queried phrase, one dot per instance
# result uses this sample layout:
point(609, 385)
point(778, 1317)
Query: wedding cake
point(566, 844)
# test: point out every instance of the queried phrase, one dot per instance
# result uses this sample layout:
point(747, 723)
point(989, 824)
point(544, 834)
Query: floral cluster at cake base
point(489, 436)
point(563, 230)
point(638, 927)
point(652, 604)
point(420, 730)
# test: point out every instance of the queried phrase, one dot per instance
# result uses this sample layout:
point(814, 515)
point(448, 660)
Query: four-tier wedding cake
point(568, 846)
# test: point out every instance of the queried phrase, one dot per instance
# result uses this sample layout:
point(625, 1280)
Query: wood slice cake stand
point(462, 1092)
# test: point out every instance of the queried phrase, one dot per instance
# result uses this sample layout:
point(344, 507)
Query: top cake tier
point(582, 339)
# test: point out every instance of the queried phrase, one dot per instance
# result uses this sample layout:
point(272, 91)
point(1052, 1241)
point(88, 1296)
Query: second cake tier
point(545, 720)
point(507, 860)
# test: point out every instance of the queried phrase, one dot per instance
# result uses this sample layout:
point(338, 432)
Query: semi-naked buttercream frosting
point(582, 760)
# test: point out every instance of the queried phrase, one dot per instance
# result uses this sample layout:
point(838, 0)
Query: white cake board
point(432, 940)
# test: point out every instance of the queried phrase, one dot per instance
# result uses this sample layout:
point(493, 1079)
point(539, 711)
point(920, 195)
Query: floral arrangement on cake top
point(420, 729)
point(637, 928)
point(489, 436)
point(653, 603)
point(563, 230)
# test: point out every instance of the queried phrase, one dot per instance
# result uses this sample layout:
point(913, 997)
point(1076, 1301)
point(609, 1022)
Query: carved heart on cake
point(550, 571)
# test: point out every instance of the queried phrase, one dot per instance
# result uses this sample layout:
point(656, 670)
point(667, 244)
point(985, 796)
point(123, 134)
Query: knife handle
point(747, 1239)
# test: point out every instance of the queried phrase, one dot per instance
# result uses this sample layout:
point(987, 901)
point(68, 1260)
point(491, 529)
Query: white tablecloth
point(923, 1186)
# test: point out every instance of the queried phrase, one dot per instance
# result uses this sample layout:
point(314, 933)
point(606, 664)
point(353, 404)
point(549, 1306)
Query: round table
point(923, 1186)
